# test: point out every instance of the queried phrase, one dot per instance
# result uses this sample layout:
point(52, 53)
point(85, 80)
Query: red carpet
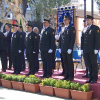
point(78, 78)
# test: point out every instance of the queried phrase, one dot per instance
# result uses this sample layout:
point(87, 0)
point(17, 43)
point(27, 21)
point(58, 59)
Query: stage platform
point(78, 78)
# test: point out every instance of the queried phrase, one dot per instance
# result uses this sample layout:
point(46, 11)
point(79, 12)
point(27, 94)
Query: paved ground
point(10, 94)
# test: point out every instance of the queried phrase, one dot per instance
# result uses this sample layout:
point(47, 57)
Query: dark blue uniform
point(47, 42)
point(66, 41)
point(8, 48)
point(3, 51)
point(31, 45)
point(23, 49)
point(16, 44)
point(89, 43)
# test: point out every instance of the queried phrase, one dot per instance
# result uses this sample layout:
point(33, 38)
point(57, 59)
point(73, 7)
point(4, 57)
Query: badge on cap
point(98, 31)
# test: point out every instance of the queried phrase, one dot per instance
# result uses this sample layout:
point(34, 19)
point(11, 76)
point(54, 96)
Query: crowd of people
point(14, 45)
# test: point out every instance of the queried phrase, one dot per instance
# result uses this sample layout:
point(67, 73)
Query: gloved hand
point(95, 51)
point(50, 51)
point(59, 50)
point(69, 51)
point(39, 50)
point(81, 51)
point(34, 52)
point(57, 37)
point(19, 51)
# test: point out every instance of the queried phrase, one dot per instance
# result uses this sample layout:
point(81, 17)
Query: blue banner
point(68, 11)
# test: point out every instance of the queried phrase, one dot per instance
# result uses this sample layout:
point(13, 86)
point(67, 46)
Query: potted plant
point(6, 81)
point(0, 78)
point(31, 84)
point(17, 82)
point(46, 87)
point(81, 92)
point(62, 88)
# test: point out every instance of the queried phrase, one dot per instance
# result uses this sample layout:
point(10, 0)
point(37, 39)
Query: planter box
point(31, 87)
point(17, 85)
point(64, 93)
point(47, 90)
point(6, 83)
point(80, 95)
point(0, 82)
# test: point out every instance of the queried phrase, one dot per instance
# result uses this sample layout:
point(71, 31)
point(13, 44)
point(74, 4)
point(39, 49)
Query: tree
point(44, 7)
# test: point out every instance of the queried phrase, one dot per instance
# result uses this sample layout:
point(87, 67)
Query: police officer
point(23, 47)
point(36, 30)
point(66, 44)
point(47, 44)
point(3, 51)
point(31, 48)
point(16, 49)
point(83, 31)
point(90, 47)
point(8, 35)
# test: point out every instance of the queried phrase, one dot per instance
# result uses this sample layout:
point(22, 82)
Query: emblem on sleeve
point(98, 31)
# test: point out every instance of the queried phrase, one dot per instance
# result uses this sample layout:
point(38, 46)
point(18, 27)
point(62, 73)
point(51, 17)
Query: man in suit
point(36, 30)
point(8, 35)
point(57, 38)
point(23, 47)
point(31, 48)
point(16, 49)
point(47, 45)
point(89, 48)
point(66, 44)
point(3, 52)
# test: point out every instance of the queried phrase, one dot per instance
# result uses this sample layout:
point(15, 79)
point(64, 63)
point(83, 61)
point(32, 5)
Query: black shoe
point(36, 71)
point(13, 73)
point(70, 79)
point(22, 69)
point(88, 81)
point(61, 74)
point(17, 72)
point(48, 77)
point(85, 76)
point(93, 81)
point(43, 76)
point(9, 68)
point(28, 74)
point(65, 78)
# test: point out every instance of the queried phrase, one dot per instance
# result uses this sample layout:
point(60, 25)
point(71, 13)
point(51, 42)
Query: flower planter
point(47, 90)
point(64, 93)
point(80, 95)
point(17, 85)
point(6, 83)
point(31, 87)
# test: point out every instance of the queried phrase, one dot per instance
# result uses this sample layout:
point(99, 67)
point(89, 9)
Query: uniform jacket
point(47, 40)
point(90, 39)
point(16, 42)
point(67, 39)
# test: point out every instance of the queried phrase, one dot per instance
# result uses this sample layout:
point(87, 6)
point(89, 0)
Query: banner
point(68, 11)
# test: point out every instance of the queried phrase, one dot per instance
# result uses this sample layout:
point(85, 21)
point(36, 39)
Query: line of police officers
point(45, 43)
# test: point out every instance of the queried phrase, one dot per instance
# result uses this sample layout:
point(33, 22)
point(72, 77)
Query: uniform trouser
point(53, 59)
point(16, 60)
point(3, 59)
point(47, 63)
point(8, 54)
point(31, 60)
point(91, 63)
point(62, 62)
point(36, 62)
point(22, 60)
point(68, 65)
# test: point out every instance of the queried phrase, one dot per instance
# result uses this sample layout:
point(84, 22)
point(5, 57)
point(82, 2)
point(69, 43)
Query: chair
point(77, 58)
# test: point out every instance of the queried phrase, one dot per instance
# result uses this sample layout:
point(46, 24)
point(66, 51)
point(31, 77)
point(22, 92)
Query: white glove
point(59, 50)
point(50, 51)
point(34, 52)
point(19, 51)
point(69, 51)
point(57, 37)
point(95, 51)
point(39, 50)
point(81, 51)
